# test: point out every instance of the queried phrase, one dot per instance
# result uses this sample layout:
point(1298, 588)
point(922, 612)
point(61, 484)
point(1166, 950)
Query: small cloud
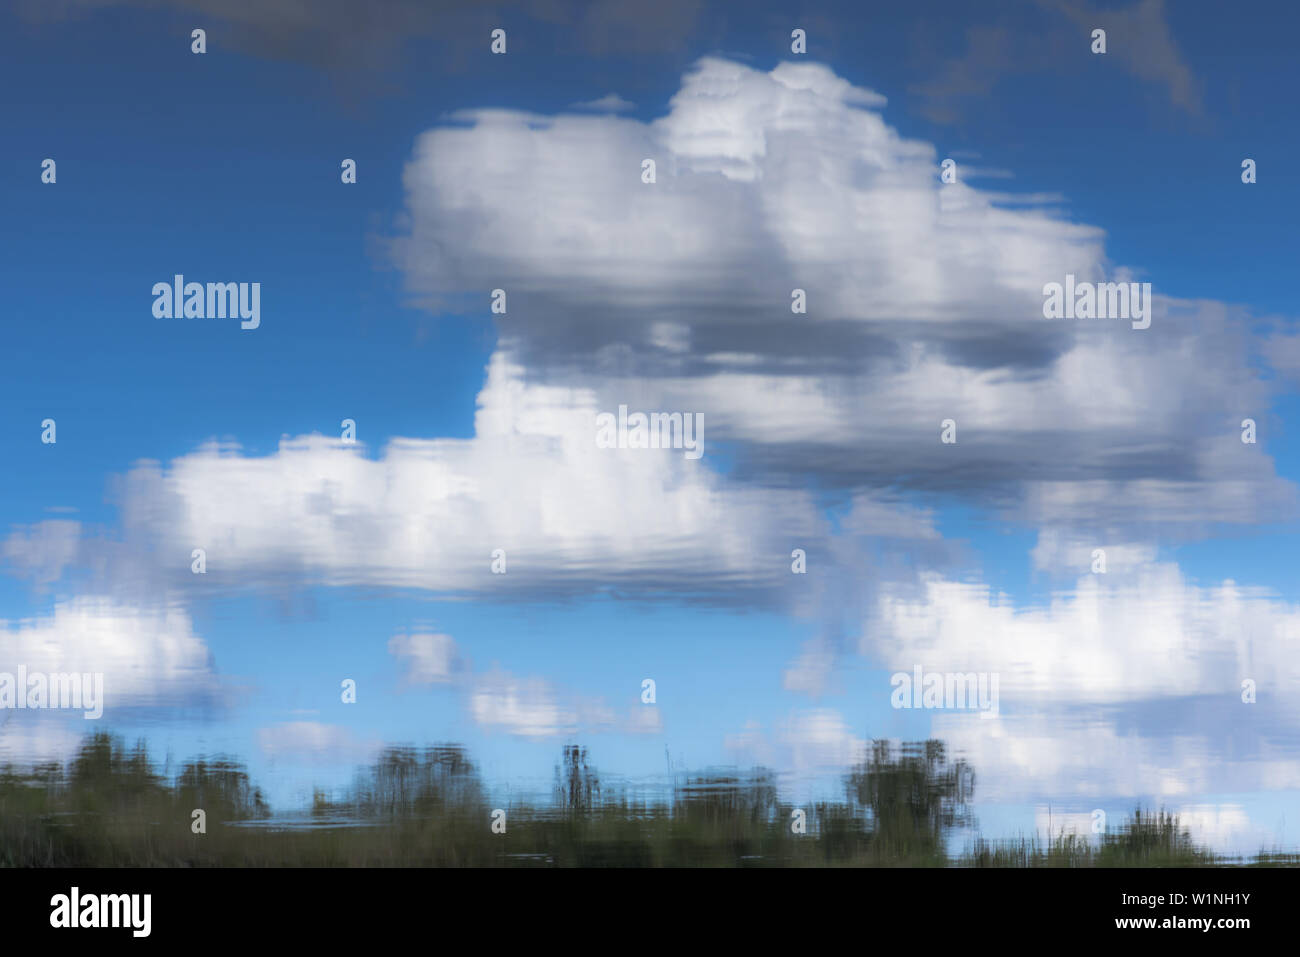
point(644, 719)
point(811, 671)
point(310, 742)
point(42, 551)
point(535, 708)
point(609, 103)
point(149, 655)
point(525, 707)
point(807, 741)
point(1064, 553)
point(430, 659)
point(40, 736)
point(820, 739)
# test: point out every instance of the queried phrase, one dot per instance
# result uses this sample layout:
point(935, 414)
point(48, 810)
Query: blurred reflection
point(108, 805)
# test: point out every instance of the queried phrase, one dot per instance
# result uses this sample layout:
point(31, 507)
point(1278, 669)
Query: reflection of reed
point(428, 807)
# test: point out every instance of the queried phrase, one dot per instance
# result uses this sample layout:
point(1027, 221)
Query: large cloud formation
point(924, 303)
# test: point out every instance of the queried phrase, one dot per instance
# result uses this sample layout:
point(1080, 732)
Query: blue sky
point(775, 170)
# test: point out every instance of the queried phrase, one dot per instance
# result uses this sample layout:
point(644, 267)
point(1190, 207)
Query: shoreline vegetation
point(427, 807)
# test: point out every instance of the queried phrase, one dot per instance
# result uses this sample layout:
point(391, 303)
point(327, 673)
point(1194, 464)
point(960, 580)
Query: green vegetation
point(1145, 840)
point(428, 808)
